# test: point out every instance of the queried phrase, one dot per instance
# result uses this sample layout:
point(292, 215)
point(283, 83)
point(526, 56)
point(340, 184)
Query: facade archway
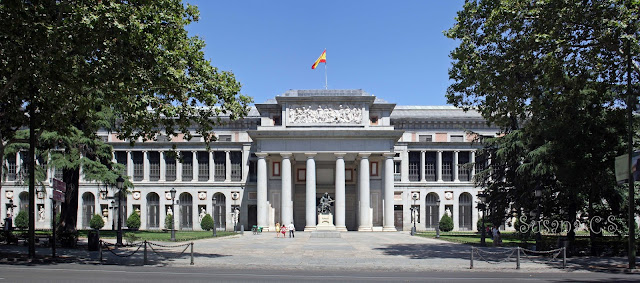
point(433, 211)
point(24, 202)
point(88, 208)
point(220, 211)
point(153, 211)
point(186, 211)
point(464, 212)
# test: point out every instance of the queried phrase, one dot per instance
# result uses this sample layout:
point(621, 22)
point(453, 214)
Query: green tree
point(168, 222)
point(550, 75)
point(22, 220)
point(446, 223)
point(134, 58)
point(133, 222)
point(96, 222)
point(207, 222)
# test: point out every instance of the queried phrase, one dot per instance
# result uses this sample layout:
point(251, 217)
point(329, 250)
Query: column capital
point(227, 151)
point(364, 155)
point(340, 155)
point(310, 155)
point(389, 155)
point(286, 155)
point(424, 150)
point(261, 155)
point(440, 151)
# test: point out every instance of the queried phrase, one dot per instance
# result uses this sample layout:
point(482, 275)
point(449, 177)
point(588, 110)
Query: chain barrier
point(179, 255)
point(105, 244)
point(555, 253)
point(164, 246)
point(145, 244)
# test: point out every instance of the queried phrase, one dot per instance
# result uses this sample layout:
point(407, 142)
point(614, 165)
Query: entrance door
point(252, 216)
point(397, 213)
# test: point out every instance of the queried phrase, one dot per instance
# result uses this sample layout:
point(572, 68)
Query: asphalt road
point(113, 273)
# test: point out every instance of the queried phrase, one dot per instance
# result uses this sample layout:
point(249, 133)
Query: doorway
point(397, 217)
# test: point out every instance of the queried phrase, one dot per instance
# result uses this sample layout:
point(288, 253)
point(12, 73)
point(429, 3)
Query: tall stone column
point(194, 165)
point(422, 165)
point(286, 205)
point(472, 159)
point(439, 166)
point(340, 202)
point(178, 169)
point(145, 166)
point(129, 164)
point(211, 167)
point(311, 193)
point(365, 195)
point(163, 167)
point(227, 167)
point(263, 213)
point(455, 166)
point(388, 219)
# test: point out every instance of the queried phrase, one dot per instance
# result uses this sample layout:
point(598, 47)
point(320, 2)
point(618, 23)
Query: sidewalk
point(380, 251)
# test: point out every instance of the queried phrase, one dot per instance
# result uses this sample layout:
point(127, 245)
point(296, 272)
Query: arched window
point(464, 213)
point(219, 209)
point(24, 202)
point(88, 208)
point(153, 210)
point(186, 211)
point(433, 210)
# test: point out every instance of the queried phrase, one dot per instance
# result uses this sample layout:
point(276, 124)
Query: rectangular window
point(224, 138)
point(301, 175)
point(57, 173)
point(414, 166)
point(424, 138)
point(464, 174)
point(457, 138)
point(275, 168)
point(203, 166)
point(430, 166)
point(447, 166)
point(253, 171)
point(12, 169)
point(138, 166)
point(373, 168)
point(396, 171)
point(170, 164)
point(348, 175)
point(154, 165)
point(187, 166)
point(236, 165)
point(220, 164)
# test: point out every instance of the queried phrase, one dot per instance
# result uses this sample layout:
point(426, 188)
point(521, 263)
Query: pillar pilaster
point(365, 195)
point(263, 213)
point(388, 218)
point(287, 203)
point(310, 192)
point(340, 202)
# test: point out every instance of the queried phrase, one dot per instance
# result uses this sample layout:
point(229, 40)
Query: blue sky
point(392, 49)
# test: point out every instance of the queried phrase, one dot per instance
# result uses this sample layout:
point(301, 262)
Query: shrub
point(22, 220)
point(131, 237)
point(133, 222)
point(96, 222)
point(487, 224)
point(207, 222)
point(168, 222)
point(446, 223)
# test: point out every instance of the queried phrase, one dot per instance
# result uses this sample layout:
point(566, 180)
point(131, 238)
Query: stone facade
point(375, 159)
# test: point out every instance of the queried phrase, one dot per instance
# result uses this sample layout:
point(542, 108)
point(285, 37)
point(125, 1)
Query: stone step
point(325, 234)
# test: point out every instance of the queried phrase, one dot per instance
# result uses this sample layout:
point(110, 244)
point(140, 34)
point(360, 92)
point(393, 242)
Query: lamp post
point(215, 203)
point(483, 206)
point(120, 186)
point(173, 220)
point(438, 225)
point(413, 214)
point(113, 221)
point(538, 196)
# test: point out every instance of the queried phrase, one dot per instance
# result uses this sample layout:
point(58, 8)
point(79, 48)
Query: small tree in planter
point(96, 222)
point(446, 223)
point(22, 220)
point(168, 222)
point(133, 222)
point(207, 222)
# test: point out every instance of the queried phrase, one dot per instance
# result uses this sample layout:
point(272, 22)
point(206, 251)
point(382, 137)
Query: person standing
point(283, 230)
point(291, 229)
point(277, 229)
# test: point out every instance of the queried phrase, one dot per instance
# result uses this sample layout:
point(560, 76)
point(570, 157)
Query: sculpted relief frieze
point(325, 114)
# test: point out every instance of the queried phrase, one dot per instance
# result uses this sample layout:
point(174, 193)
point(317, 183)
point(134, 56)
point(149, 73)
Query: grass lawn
point(181, 236)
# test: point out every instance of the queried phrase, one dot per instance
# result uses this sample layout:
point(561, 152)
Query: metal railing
point(145, 245)
point(553, 255)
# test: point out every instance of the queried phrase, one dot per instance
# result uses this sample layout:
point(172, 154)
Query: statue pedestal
point(325, 227)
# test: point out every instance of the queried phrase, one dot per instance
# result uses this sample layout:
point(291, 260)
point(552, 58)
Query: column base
point(309, 228)
point(365, 229)
point(389, 229)
point(341, 228)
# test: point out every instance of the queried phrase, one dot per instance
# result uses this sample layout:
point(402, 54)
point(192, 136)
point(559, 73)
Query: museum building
point(385, 166)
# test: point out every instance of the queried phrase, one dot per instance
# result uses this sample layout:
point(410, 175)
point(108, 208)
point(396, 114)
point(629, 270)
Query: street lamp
point(113, 221)
point(483, 206)
point(438, 225)
point(538, 196)
point(173, 220)
point(413, 214)
point(120, 186)
point(215, 203)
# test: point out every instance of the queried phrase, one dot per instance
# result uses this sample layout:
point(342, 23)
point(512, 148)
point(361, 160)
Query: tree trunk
point(572, 215)
point(69, 217)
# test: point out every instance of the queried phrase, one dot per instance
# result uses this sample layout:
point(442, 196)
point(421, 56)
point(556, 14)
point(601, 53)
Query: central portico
point(335, 141)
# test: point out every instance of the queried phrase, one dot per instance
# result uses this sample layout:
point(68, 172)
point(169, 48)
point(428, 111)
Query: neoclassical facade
point(385, 166)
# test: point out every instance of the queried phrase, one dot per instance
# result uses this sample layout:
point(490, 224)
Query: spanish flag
point(321, 59)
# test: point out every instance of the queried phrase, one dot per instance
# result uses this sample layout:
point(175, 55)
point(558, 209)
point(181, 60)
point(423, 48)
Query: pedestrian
point(291, 229)
point(277, 229)
point(283, 230)
point(495, 236)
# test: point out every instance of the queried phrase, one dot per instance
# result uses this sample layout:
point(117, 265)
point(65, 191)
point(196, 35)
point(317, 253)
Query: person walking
point(283, 230)
point(291, 229)
point(277, 229)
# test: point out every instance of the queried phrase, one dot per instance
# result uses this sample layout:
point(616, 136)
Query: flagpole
point(326, 85)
